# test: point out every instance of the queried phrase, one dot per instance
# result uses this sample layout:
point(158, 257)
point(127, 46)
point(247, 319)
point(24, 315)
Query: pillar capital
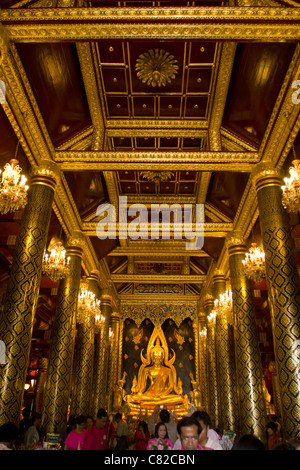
point(265, 174)
point(218, 276)
point(47, 173)
point(235, 243)
point(106, 298)
point(75, 243)
point(94, 275)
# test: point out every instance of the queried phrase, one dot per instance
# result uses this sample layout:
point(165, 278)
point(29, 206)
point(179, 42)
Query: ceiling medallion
point(156, 68)
point(157, 176)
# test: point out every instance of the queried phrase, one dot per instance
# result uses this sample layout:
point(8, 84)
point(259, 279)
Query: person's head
point(142, 426)
point(164, 416)
point(271, 428)
point(189, 430)
point(283, 446)
point(102, 418)
point(89, 422)
point(8, 434)
point(118, 417)
point(80, 423)
point(161, 431)
point(26, 412)
point(203, 418)
point(248, 442)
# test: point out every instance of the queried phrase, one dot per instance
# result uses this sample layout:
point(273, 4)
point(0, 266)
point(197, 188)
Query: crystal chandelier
point(291, 189)
point(203, 333)
point(223, 305)
point(13, 188)
point(55, 264)
point(87, 306)
point(212, 316)
point(254, 263)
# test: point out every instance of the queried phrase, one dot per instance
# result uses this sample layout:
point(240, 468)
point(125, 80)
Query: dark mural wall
point(181, 340)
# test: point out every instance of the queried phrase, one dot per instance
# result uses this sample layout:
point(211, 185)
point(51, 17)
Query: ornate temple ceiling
point(222, 109)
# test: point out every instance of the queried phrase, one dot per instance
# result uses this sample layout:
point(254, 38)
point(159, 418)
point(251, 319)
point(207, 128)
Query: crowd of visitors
point(160, 432)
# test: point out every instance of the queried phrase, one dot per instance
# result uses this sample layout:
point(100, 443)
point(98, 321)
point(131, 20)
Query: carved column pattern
point(228, 412)
point(252, 405)
point(113, 358)
point(59, 376)
point(213, 404)
point(16, 320)
point(40, 384)
point(203, 379)
point(83, 363)
point(283, 290)
point(102, 386)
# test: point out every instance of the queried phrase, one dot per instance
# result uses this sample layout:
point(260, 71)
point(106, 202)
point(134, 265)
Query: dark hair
point(26, 412)
point(272, 425)
point(188, 421)
point(118, 415)
point(8, 432)
point(248, 442)
point(157, 428)
point(90, 417)
point(164, 416)
point(283, 446)
point(80, 419)
point(202, 416)
point(102, 413)
point(144, 425)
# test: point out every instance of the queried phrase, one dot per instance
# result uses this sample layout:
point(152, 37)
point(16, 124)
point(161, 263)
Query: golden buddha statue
point(157, 379)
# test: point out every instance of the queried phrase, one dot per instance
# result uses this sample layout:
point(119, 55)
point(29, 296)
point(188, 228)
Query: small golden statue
point(120, 392)
point(196, 392)
point(157, 379)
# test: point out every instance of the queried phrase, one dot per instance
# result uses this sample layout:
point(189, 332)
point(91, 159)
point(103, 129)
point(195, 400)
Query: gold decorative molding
point(157, 278)
point(239, 23)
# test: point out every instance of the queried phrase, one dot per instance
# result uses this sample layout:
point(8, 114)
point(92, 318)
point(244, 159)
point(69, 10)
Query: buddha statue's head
point(157, 354)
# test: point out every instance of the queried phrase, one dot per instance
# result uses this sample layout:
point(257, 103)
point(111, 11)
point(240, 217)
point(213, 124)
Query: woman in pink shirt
point(161, 440)
point(74, 440)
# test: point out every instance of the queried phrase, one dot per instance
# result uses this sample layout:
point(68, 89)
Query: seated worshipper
point(166, 418)
point(8, 435)
point(98, 437)
point(74, 440)
point(32, 436)
point(189, 430)
point(272, 434)
point(141, 436)
point(205, 440)
point(161, 440)
point(121, 433)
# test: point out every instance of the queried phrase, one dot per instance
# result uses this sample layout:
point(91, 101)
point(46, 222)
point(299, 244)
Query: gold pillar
point(113, 358)
point(228, 407)
point(252, 405)
point(83, 360)
point(40, 384)
point(59, 376)
point(101, 356)
point(213, 405)
point(203, 360)
point(283, 291)
point(16, 319)
point(196, 329)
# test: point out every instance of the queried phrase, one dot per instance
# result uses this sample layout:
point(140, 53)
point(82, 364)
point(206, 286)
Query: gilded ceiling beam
point(209, 229)
point(158, 278)
point(154, 251)
point(149, 160)
point(219, 23)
